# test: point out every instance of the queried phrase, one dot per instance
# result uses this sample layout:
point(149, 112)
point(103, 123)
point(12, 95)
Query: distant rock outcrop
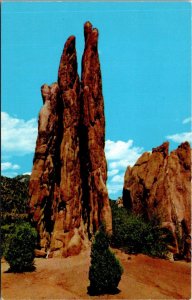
point(160, 184)
point(119, 202)
point(68, 195)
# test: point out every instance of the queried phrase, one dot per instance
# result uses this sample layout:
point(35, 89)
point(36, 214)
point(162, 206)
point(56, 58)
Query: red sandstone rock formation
point(43, 180)
point(94, 168)
point(160, 184)
point(68, 195)
point(68, 234)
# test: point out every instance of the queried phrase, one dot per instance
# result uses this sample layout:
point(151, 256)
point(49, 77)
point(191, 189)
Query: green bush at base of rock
point(135, 235)
point(105, 270)
point(19, 248)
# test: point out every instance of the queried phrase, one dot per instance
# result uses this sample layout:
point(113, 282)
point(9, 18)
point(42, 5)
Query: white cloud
point(114, 189)
point(113, 172)
point(180, 137)
point(18, 136)
point(119, 149)
point(123, 163)
point(118, 178)
point(8, 169)
point(10, 174)
point(9, 166)
point(119, 156)
point(27, 173)
point(187, 120)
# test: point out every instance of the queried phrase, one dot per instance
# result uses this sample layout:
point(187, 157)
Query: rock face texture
point(44, 178)
point(68, 195)
point(160, 184)
point(94, 167)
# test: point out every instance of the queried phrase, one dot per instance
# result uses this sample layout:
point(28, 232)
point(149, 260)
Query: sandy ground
point(143, 278)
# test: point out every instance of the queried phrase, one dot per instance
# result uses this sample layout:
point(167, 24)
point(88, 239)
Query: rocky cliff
point(160, 184)
point(68, 195)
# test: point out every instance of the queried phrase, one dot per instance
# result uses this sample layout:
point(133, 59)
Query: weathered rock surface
point(68, 195)
point(119, 202)
point(160, 184)
point(44, 178)
point(94, 168)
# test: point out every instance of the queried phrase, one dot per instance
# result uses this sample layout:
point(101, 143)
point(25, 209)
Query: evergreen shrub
point(105, 270)
point(20, 246)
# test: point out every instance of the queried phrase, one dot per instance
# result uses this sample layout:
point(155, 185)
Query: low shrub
point(20, 246)
point(105, 270)
point(135, 235)
point(5, 231)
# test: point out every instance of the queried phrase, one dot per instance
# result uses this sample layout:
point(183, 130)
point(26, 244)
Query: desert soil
point(143, 278)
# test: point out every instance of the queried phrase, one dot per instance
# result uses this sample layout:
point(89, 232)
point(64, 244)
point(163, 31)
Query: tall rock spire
point(68, 195)
point(70, 184)
point(94, 166)
point(67, 215)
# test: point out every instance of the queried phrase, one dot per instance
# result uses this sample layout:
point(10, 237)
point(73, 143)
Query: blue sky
point(145, 57)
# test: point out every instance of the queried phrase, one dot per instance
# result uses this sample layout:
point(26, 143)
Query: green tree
point(105, 270)
point(20, 246)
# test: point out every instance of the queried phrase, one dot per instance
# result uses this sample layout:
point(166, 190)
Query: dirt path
point(143, 278)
